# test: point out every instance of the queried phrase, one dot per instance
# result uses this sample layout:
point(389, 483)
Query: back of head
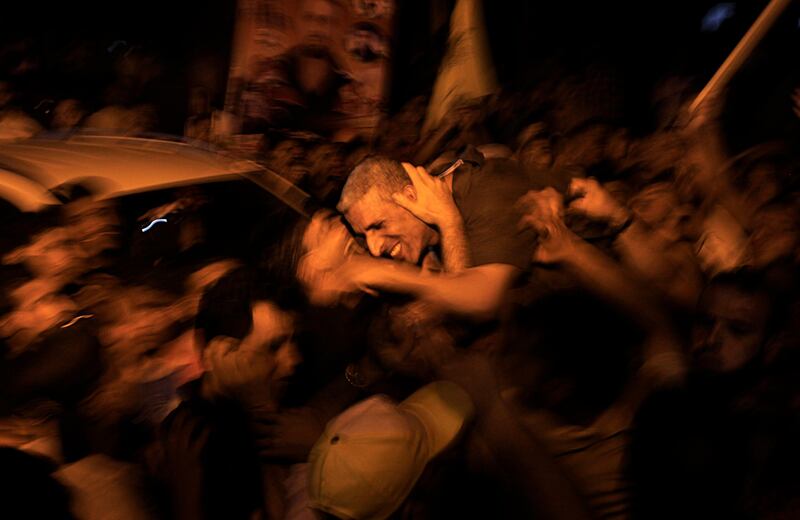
point(382, 173)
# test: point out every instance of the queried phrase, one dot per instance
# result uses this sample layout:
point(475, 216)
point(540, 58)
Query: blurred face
point(536, 155)
point(51, 254)
point(139, 322)
point(317, 23)
point(93, 225)
point(269, 349)
point(390, 231)
point(658, 207)
point(775, 235)
point(730, 331)
point(762, 186)
point(617, 146)
point(587, 148)
point(38, 308)
point(67, 114)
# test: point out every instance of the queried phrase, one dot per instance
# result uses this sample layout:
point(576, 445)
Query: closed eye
point(375, 226)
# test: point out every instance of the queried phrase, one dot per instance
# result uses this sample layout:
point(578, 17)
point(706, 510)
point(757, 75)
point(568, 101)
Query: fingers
point(579, 206)
point(579, 187)
point(419, 176)
point(540, 206)
point(402, 200)
point(413, 173)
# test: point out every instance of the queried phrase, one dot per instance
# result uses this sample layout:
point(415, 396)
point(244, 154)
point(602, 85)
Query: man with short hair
point(469, 216)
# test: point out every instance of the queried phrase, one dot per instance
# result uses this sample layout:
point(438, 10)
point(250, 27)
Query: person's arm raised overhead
point(677, 279)
point(593, 269)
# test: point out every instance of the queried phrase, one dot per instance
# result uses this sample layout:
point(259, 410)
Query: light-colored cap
point(369, 458)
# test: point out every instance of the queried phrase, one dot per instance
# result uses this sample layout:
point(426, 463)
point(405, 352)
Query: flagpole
point(742, 51)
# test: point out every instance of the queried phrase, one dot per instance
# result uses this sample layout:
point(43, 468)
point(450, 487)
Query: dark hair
point(225, 307)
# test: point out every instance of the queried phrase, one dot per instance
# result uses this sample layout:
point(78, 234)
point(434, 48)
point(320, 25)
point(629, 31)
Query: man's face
point(658, 206)
point(272, 334)
point(318, 18)
point(390, 231)
point(730, 330)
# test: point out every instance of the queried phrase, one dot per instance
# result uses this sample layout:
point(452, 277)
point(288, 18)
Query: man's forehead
point(729, 303)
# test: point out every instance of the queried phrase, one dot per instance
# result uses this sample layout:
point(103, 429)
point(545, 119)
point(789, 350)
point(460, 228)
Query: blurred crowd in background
point(608, 331)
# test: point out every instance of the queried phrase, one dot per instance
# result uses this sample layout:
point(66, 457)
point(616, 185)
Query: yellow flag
point(466, 73)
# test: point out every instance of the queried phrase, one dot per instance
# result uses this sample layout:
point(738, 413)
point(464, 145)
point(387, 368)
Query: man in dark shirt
point(403, 213)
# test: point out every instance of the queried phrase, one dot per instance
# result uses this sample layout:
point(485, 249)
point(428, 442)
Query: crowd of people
point(508, 317)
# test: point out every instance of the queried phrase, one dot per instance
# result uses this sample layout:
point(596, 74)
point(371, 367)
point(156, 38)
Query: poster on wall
point(317, 67)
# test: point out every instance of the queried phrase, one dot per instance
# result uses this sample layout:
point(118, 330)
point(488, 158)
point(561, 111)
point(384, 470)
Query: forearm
point(455, 249)
point(663, 361)
point(475, 292)
point(675, 277)
point(712, 158)
point(603, 276)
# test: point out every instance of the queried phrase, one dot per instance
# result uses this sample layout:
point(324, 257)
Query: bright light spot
point(716, 15)
point(149, 226)
point(75, 320)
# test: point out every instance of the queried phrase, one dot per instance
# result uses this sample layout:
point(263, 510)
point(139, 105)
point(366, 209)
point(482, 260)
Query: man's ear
point(410, 192)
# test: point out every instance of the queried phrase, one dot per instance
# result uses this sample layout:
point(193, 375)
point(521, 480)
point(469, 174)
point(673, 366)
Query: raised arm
point(475, 292)
point(675, 276)
point(558, 245)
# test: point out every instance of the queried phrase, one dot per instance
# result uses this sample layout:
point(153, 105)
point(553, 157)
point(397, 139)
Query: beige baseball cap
point(370, 457)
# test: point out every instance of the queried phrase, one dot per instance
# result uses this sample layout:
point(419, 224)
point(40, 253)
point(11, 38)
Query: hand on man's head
point(429, 198)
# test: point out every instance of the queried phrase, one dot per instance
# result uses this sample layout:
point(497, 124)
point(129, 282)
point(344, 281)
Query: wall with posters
point(309, 66)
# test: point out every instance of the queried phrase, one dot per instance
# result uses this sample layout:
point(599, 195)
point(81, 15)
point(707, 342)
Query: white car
point(31, 168)
point(243, 201)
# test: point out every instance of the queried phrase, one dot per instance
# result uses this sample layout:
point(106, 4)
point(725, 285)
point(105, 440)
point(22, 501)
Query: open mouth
point(395, 251)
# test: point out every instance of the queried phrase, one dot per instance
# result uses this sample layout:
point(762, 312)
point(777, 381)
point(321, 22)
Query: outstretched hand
point(429, 199)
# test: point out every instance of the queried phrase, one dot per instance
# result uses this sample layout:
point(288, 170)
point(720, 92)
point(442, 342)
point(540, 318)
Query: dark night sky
point(640, 41)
